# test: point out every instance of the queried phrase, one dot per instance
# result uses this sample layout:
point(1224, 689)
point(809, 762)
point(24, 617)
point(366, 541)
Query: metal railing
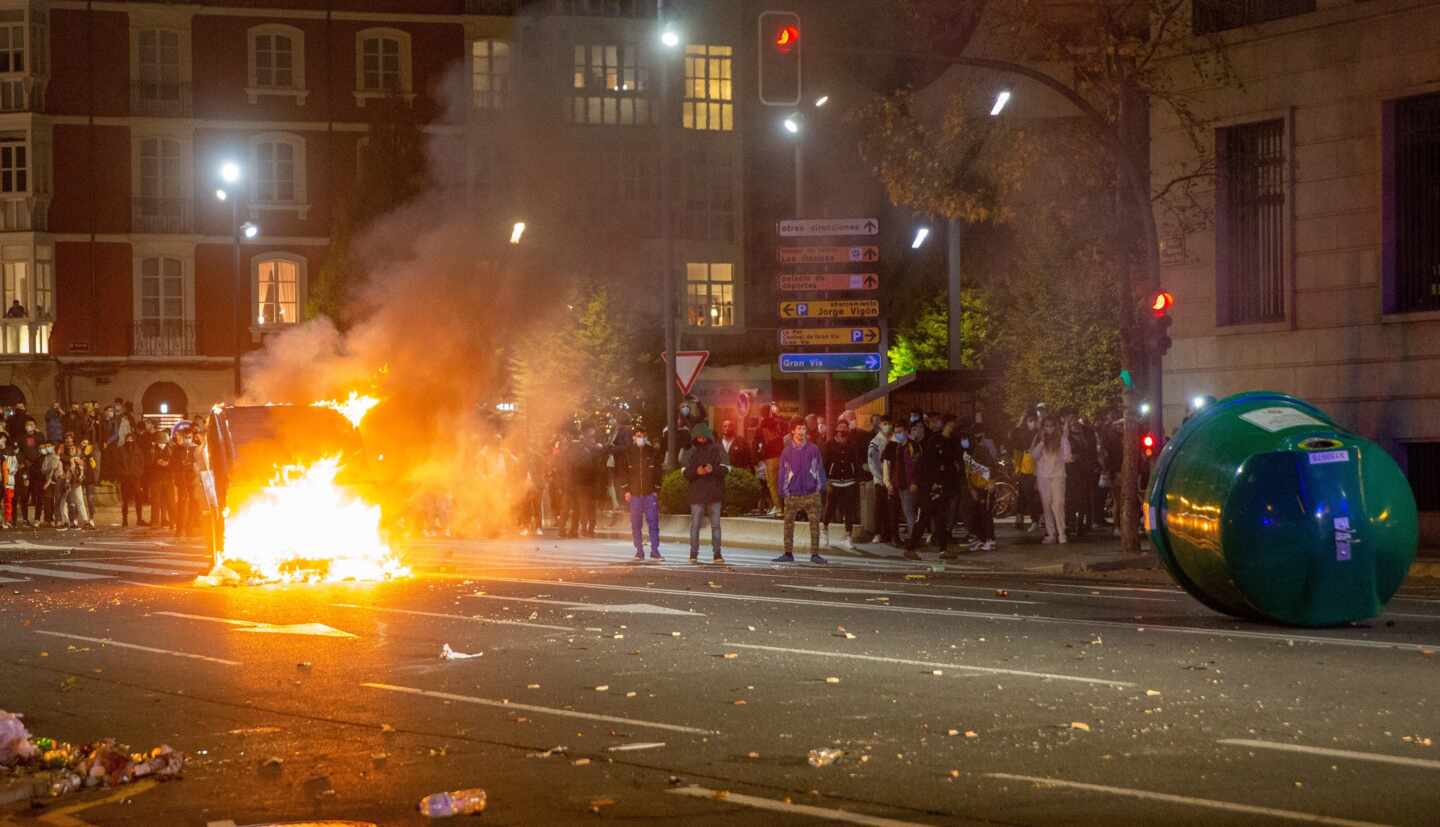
point(163, 337)
point(161, 215)
point(166, 100)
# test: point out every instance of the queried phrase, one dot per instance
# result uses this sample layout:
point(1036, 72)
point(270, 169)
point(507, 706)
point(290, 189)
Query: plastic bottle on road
point(453, 803)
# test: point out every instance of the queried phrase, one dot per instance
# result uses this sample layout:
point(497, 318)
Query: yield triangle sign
point(688, 364)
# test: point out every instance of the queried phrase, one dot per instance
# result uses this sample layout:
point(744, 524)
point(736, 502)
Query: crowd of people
point(933, 478)
point(53, 467)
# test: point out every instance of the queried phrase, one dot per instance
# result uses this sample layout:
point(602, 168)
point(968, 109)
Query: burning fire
point(354, 407)
point(304, 526)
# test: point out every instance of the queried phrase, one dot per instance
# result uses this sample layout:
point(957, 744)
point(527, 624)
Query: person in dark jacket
point(129, 468)
point(932, 486)
point(705, 472)
point(54, 422)
point(15, 423)
point(844, 474)
point(584, 459)
point(736, 450)
point(637, 473)
point(30, 483)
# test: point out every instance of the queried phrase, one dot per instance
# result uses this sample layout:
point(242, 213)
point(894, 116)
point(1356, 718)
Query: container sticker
point(1279, 419)
point(1326, 457)
point(1342, 539)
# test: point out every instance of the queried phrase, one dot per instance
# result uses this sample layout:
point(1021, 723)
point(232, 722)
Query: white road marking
point(92, 564)
point(157, 586)
point(540, 710)
point(64, 575)
point(843, 816)
point(843, 590)
point(109, 642)
point(1379, 758)
point(26, 545)
point(605, 608)
point(14, 580)
point(927, 664)
point(466, 618)
point(1136, 626)
point(1175, 592)
point(176, 561)
point(304, 629)
point(1227, 806)
point(635, 747)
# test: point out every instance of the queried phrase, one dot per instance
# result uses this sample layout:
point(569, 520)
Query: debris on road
point(598, 804)
point(446, 653)
point(304, 666)
point(604, 687)
point(272, 764)
point(68, 768)
point(580, 762)
point(832, 679)
point(560, 750)
point(453, 803)
point(1152, 693)
point(14, 739)
point(636, 746)
point(1002, 593)
point(824, 757)
point(1080, 725)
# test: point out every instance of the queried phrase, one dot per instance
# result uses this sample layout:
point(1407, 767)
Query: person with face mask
point(129, 467)
point(933, 487)
point(735, 448)
point(637, 473)
point(1051, 450)
point(772, 444)
point(705, 470)
point(53, 485)
point(1027, 500)
point(875, 452)
point(802, 478)
point(979, 463)
point(182, 475)
point(29, 482)
point(844, 475)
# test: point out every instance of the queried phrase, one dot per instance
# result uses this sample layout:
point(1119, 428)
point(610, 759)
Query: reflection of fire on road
point(304, 526)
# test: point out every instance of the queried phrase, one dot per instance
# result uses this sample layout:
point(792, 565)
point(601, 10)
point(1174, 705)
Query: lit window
point(28, 278)
point(491, 76)
point(277, 290)
point(44, 283)
point(159, 64)
point(612, 86)
point(709, 88)
point(710, 294)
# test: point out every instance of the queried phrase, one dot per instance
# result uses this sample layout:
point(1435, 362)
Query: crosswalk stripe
point(177, 561)
point(66, 575)
point(90, 564)
point(14, 580)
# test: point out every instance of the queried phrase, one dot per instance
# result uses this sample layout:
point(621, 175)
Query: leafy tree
point(923, 343)
point(392, 174)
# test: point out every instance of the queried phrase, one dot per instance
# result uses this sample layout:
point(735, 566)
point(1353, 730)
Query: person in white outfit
point(1051, 450)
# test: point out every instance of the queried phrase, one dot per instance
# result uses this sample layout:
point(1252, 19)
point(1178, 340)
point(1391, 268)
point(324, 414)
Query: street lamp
point(250, 229)
point(1000, 101)
point(921, 235)
point(821, 101)
point(669, 43)
point(230, 173)
point(517, 232)
point(670, 38)
point(792, 124)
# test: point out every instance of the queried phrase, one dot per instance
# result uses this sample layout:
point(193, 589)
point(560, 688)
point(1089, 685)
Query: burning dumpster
point(1263, 508)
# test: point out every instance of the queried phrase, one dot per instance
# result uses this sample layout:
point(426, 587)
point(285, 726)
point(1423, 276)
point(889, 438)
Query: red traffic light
point(1161, 303)
point(786, 39)
point(1148, 444)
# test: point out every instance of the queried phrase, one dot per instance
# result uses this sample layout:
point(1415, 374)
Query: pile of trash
point(68, 767)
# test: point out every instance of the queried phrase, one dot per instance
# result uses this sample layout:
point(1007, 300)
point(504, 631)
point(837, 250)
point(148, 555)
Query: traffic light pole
point(800, 213)
point(952, 262)
point(667, 270)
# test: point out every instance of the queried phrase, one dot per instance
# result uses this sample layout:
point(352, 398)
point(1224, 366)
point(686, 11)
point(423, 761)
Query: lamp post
point(669, 41)
point(230, 174)
point(795, 125)
point(953, 250)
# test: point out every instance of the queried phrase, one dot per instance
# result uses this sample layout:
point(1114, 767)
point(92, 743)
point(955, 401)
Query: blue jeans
point(645, 509)
point(697, 513)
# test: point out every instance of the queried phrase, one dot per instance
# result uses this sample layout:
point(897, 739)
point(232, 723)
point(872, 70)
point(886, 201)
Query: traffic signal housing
point(1157, 325)
point(1149, 445)
point(782, 47)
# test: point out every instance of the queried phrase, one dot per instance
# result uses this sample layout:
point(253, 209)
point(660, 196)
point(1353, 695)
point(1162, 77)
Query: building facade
point(1320, 274)
point(116, 118)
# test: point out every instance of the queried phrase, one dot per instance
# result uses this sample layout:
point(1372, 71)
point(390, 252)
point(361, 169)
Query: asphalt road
point(671, 693)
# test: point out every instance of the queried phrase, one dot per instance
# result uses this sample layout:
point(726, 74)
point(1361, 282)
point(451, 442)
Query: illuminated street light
point(792, 125)
point(250, 229)
point(230, 172)
point(822, 100)
point(670, 38)
point(920, 236)
point(1000, 101)
point(221, 194)
point(517, 232)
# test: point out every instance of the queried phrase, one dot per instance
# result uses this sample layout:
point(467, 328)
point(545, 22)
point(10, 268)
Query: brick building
point(1321, 274)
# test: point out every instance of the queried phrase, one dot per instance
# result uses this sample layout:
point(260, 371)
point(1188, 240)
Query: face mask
point(684, 410)
point(887, 429)
point(965, 443)
point(901, 438)
point(639, 441)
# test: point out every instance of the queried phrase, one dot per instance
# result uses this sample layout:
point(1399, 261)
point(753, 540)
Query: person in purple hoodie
point(802, 478)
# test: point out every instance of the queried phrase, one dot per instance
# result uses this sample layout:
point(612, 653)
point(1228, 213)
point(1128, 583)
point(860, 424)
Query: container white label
point(1279, 419)
point(1325, 457)
point(1342, 538)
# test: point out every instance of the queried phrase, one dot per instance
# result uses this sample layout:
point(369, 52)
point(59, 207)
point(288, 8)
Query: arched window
point(382, 64)
point(278, 181)
point(277, 62)
point(278, 288)
point(164, 399)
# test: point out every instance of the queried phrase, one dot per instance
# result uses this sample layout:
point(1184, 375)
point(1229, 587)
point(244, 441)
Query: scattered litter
point(824, 757)
point(594, 629)
point(674, 634)
point(740, 702)
point(636, 747)
point(532, 686)
point(218, 576)
point(1151, 693)
point(561, 750)
point(749, 628)
point(712, 584)
point(937, 672)
point(68, 683)
point(631, 694)
point(446, 653)
point(970, 733)
point(604, 687)
point(596, 805)
point(272, 764)
point(1097, 641)
point(731, 655)
point(254, 730)
point(914, 577)
point(14, 740)
point(952, 732)
point(386, 729)
point(752, 755)
point(379, 758)
point(618, 637)
point(1080, 725)
point(832, 679)
point(439, 752)
point(580, 762)
point(1002, 593)
point(455, 803)
point(304, 666)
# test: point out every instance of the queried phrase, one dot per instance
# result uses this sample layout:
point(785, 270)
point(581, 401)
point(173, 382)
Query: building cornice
point(193, 9)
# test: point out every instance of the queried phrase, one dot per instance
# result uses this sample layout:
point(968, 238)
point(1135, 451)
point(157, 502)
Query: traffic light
point(1157, 327)
point(781, 58)
point(1149, 445)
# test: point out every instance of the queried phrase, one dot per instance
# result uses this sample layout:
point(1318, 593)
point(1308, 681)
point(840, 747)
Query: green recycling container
point(1263, 508)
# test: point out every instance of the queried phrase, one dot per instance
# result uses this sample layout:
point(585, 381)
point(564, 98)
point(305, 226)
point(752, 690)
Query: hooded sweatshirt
point(802, 469)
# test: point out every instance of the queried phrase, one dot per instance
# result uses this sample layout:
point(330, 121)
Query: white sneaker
point(1047, 540)
point(1064, 539)
point(988, 545)
point(847, 543)
point(825, 536)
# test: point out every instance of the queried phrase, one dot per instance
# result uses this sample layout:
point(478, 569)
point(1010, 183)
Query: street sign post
point(688, 364)
point(831, 309)
point(825, 336)
point(829, 362)
point(829, 255)
point(806, 227)
point(819, 282)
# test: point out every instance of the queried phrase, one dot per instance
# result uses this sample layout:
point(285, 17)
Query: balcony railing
point(165, 100)
point(161, 215)
point(21, 95)
point(24, 336)
point(163, 337)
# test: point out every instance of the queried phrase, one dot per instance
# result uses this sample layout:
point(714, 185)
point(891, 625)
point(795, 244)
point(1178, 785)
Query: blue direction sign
point(829, 362)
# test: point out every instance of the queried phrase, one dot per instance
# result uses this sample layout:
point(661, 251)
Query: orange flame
point(354, 407)
point(304, 526)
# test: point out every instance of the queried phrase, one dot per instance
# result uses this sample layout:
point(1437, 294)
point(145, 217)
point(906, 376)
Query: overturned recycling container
point(1263, 508)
